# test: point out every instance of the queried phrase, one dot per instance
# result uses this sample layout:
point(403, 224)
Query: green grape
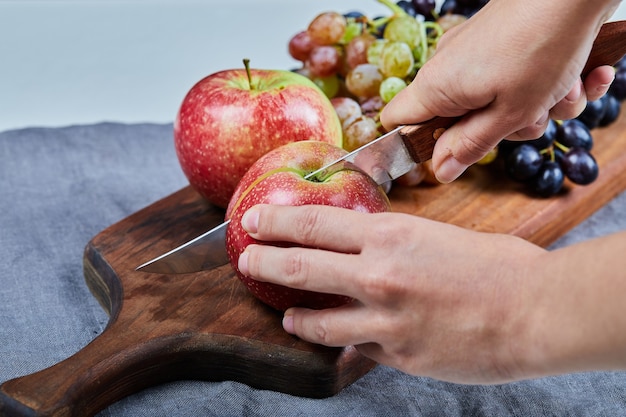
point(329, 85)
point(353, 29)
point(374, 51)
point(404, 29)
point(396, 60)
point(390, 87)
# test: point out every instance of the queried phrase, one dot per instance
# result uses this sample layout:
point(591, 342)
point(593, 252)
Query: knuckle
point(307, 224)
point(564, 111)
point(473, 148)
point(295, 269)
point(383, 285)
point(322, 333)
point(528, 132)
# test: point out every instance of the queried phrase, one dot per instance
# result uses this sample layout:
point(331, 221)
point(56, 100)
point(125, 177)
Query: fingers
point(596, 84)
point(572, 104)
point(468, 141)
point(302, 268)
point(533, 131)
point(341, 326)
point(331, 228)
point(598, 81)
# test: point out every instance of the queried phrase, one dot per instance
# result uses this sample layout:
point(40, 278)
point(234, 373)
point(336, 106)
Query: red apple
point(231, 118)
point(278, 178)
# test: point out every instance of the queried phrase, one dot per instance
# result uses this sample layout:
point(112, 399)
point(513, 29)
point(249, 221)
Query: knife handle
point(608, 48)
point(420, 139)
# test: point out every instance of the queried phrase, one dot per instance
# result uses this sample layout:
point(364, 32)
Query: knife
point(384, 159)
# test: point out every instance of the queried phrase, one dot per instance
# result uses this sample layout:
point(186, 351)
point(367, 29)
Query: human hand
point(430, 298)
point(506, 71)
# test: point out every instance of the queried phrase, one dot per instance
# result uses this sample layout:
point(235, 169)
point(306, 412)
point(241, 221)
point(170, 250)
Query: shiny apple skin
point(225, 123)
point(278, 178)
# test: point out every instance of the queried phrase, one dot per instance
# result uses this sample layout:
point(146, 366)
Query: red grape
point(327, 28)
point(324, 61)
point(300, 46)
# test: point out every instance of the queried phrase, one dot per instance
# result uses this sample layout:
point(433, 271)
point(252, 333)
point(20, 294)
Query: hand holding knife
point(384, 159)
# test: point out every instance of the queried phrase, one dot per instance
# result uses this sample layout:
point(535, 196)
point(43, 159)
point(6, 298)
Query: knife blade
point(384, 159)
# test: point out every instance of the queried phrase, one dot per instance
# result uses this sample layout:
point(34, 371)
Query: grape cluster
point(564, 150)
point(362, 62)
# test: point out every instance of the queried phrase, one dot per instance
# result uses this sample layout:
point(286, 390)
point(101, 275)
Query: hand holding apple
point(278, 178)
point(231, 118)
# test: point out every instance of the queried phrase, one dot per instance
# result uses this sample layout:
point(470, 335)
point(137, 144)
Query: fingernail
point(288, 322)
point(250, 220)
point(449, 170)
point(242, 263)
point(574, 93)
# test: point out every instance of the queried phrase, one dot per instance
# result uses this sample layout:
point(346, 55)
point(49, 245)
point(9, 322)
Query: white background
point(80, 62)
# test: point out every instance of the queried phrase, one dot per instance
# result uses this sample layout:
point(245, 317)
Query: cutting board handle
point(85, 383)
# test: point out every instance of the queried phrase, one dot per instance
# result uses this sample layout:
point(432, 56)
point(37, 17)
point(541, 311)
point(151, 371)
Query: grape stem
point(561, 146)
point(397, 10)
point(550, 151)
point(423, 45)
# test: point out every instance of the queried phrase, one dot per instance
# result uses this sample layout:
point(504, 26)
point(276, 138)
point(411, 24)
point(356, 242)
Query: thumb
point(419, 102)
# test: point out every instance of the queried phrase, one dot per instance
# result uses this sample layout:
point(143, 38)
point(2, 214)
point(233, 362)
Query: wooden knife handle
point(420, 139)
point(608, 48)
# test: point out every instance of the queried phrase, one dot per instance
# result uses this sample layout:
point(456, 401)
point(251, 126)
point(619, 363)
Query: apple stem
point(246, 64)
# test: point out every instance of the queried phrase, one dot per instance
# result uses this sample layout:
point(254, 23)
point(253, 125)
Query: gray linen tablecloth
point(60, 187)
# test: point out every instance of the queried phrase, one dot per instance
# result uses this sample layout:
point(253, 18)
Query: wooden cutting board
point(207, 326)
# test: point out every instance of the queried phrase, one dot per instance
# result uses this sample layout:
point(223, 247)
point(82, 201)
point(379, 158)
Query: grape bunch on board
point(362, 62)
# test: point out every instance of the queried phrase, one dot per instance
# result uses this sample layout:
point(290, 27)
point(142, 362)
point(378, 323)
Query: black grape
point(618, 87)
point(612, 109)
point(546, 140)
point(579, 166)
point(549, 179)
point(593, 113)
point(524, 162)
point(425, 8)
point(407, 6)
point(574, 134)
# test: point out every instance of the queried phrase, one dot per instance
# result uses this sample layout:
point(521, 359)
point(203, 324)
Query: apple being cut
point(231, 118)
point(279, 178)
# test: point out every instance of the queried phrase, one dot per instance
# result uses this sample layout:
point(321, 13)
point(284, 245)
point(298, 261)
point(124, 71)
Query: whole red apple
point(279, 178)
point(231, 118)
